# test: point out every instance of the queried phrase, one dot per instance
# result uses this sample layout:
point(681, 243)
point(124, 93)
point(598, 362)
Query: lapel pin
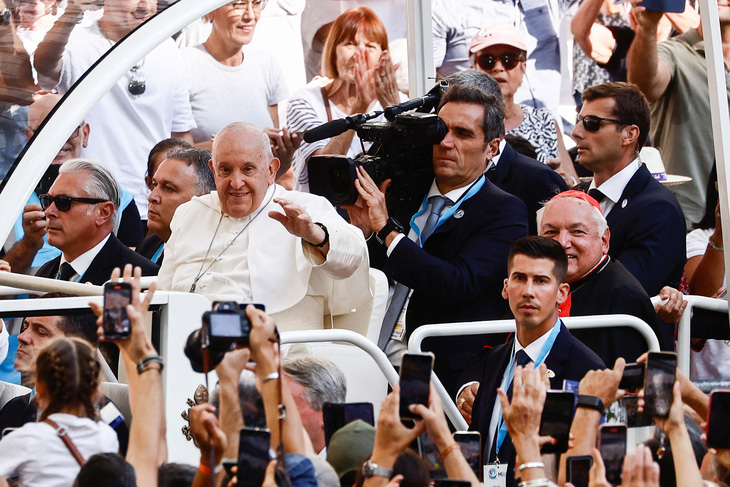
point(550, 374)
point(624, 203)
point(459, 213)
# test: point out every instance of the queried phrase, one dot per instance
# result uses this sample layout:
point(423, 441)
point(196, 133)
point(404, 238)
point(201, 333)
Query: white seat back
point(10, 391)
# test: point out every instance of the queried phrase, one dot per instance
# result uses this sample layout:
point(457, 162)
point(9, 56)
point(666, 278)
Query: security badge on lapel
point(495, 474)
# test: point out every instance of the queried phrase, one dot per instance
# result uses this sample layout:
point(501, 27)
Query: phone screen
point(253, 456)
point(415, 377)
point(335, 416)
point(661, 369)
point(470, 443)
point(578, 470)
point(557, 416)
point(117, 295)
point(718, 422)
point(613, 450)
point(634, 418)
point(633, 378)
point(451, 483)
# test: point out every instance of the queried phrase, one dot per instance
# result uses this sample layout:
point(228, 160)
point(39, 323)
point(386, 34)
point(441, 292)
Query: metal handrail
point(12, 284)
point(506, 326)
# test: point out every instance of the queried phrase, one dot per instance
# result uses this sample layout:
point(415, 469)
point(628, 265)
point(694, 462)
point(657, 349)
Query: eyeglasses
point(592, 123)
point(73, 135)
point(508, 60)
point(63, 202)
point(136, 85)
point(258, 5)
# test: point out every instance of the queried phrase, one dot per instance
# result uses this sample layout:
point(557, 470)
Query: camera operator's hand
point(138, 346)
point(263, 340)
point(369, 214)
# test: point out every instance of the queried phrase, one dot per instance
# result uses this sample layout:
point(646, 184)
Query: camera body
point(402, 151)
point(225, 325)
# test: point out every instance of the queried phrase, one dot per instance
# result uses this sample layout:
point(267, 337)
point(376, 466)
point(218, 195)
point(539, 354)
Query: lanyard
point(475, 187)
point(502, 432)
point(158, 252)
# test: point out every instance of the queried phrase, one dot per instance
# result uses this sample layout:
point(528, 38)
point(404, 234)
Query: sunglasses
point(592, 123)
point(508, 60)
point(63, 203)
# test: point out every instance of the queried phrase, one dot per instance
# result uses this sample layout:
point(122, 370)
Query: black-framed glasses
point(242, 5)
point(73, 135)
point(509, 60)
point(63, 202)
point(592, 123)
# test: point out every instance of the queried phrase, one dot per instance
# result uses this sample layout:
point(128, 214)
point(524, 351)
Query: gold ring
point(461, 402)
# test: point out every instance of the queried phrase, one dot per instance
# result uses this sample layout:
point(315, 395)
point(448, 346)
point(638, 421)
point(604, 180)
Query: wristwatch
point(390, 225)
point(371, 469)
point(591, 402)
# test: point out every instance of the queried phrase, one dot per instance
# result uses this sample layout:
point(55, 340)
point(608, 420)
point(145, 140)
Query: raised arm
point(643, 66)
point(582, 23)
point(16, 75)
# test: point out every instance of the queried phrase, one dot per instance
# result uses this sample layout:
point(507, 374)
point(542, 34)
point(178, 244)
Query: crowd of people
point(194, 168)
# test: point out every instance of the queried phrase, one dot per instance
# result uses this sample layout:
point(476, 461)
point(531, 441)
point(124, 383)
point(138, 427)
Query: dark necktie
point(596, 194)
point(66, 272)
point(438, 203)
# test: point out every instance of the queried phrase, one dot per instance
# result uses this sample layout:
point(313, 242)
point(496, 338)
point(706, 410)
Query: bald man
point(254, 241)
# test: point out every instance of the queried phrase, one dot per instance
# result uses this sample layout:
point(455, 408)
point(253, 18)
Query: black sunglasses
point(592, 123)
point(508, 60)
point(63, 202)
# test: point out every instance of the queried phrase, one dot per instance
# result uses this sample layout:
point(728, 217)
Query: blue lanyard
point(475, 187)
point(502, 433)
point(156, 257)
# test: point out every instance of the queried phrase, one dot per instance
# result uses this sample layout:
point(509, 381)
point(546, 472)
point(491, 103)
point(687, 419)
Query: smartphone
point(661, 370)
point(451, 483)
point(431, 458)
point(470, 443)
point(253, 456)
point(613, 450)
point(117, 295)
point(335, 416)
point(634, 418)
point(557, 416)
point(676, 6)
point(718, 419)
point(578, 470)
point(415, 379)
point(633, 378)
point(228, 464)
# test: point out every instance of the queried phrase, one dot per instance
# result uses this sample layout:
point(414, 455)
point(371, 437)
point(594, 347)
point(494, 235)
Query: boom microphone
point(337, 127)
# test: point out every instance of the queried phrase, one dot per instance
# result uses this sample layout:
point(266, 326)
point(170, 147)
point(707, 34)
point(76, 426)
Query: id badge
point(399, 332)
point(495, 475)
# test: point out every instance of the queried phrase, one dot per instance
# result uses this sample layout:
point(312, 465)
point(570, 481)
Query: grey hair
point(597, 216)
point(322, 379)
point(101, 183)
point(199, 159)
point(479, 79)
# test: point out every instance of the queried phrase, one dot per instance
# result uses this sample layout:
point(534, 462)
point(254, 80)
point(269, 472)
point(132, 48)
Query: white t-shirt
point(221, 94)
point(713, 361)
point(123, 127)
point(41, 459)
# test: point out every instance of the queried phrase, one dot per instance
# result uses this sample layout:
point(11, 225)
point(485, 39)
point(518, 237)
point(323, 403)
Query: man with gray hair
point(254, 241)
point(81, 209)
point(181, 175)
point(314, 381)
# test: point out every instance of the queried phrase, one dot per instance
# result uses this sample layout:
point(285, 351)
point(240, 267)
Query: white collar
point(495, 160)
point(533, 349)
point(454, 195)
point(614, 186)
point(81, 263)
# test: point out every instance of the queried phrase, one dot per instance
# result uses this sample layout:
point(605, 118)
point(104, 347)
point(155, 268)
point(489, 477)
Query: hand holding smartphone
point(613, 451)
point(415, 382)
point(253, 456)
point(116, 324)
point(557, 416)
point(578, 470)
point(661, 370)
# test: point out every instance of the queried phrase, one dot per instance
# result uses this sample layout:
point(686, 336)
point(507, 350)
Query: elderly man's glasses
point(242, 5)
point(63, 202)
point(73, 135)
point(592, 123)
point(509, 61)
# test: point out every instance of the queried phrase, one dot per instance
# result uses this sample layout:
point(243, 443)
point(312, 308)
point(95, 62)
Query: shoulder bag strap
point(326, 103)
point(61, 432)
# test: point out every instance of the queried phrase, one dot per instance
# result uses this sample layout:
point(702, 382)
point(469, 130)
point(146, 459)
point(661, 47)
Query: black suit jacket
point(531, 181)
point(113, 254)
point(648, 233)
point(149, 246)
point(568, 359)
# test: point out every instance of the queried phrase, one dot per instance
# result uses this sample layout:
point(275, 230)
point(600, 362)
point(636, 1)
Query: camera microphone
point(337, 127)
point(429, 101)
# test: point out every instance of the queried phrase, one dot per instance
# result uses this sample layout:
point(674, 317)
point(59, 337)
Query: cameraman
point(453, 258)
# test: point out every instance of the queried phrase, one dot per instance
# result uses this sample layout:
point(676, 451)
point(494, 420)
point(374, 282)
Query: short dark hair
point(165, 145)
point(176, 474)
point(631, 105)
point(200, 160)
point(541, 248)
point(108, 469)
point(81, 325)
point(493, 121)
point(521, 145)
